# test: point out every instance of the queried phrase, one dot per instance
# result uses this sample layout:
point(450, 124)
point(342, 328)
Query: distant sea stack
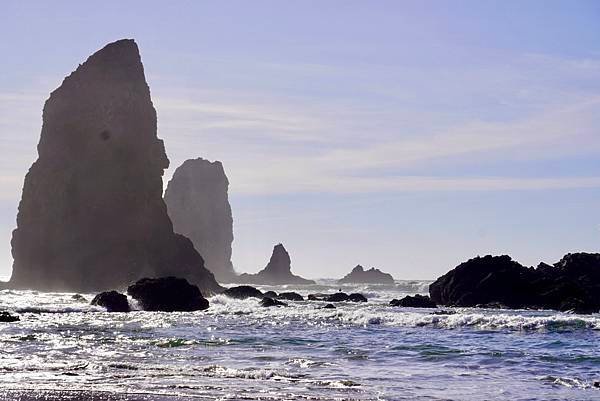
point(277, 272)
point(362, 276)
point(198, 205)
point(92, 215)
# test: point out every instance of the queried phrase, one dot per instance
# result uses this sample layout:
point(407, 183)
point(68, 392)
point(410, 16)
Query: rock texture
point(92, 215)
point(277, 272)
point(113, 301)
point(167, 294)
point(371, 276)
point(198, 205)
point(572, 284)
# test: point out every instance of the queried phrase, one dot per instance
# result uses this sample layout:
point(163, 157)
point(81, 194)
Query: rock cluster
point(277, 272)
point(572, 284)
point(371, 276)
point(198, 205)
point(91, 216)
point(338, 297)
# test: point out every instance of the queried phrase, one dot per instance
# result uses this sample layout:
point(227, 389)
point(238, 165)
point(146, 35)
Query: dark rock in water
point(417, 301)
point(270, 294)
point(337, 297)
point(113, 301)
point(198, 205)
point(167, 294)
point(277, 272)
point(572, 284)
point(91, 215)
point(267, 302)
point(371, 276)
point(329, 306)
point(243, 292)
point(291, 296)
point(356, 297)
point(79, 297)
point(6, 317)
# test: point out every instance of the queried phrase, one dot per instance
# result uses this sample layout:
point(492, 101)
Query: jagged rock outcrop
point(113, 301)
point(277, 272)
point(572, 284)
point(371, 276)
point(92, 215)
point(167, 294)
point(416, 301)
point(198, 205)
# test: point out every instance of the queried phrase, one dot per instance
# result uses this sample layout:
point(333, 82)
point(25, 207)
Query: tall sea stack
point(197, 203)
point(92, 215)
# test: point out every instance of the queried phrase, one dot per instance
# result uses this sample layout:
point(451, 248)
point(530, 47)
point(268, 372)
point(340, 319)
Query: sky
point(404, 135)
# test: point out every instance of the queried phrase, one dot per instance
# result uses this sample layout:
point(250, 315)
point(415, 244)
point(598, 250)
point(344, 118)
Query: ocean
point(65, 349)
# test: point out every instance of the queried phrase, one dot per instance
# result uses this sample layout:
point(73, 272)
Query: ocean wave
point(571, 382)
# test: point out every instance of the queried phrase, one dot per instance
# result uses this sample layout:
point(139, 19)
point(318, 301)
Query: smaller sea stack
point(362, 276)
point(277, 272)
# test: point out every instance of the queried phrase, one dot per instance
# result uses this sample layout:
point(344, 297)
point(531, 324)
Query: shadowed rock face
point(197, 203)
point(278, 271)
point(92, 215)
point(371, 276)
point(572, 284)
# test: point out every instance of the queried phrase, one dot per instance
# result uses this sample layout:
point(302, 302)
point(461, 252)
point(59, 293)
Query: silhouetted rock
point(270, 294)
point(91, 215)
point(416, 301)
point(371, 276)
point(355, 297)
point(291, 296)
point(329, 306)
point(198, 205)
point(167, 294)
point(337, 297)
point(6, 317)
point(243, 292)
point(113, 301)
point(277, 272)
point(572, 284)
point(267, 302)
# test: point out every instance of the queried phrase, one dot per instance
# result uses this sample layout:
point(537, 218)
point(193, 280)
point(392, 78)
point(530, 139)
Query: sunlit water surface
point(65, 349)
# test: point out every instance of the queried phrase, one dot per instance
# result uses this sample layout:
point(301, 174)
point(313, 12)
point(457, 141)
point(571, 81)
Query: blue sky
point(404, 135)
